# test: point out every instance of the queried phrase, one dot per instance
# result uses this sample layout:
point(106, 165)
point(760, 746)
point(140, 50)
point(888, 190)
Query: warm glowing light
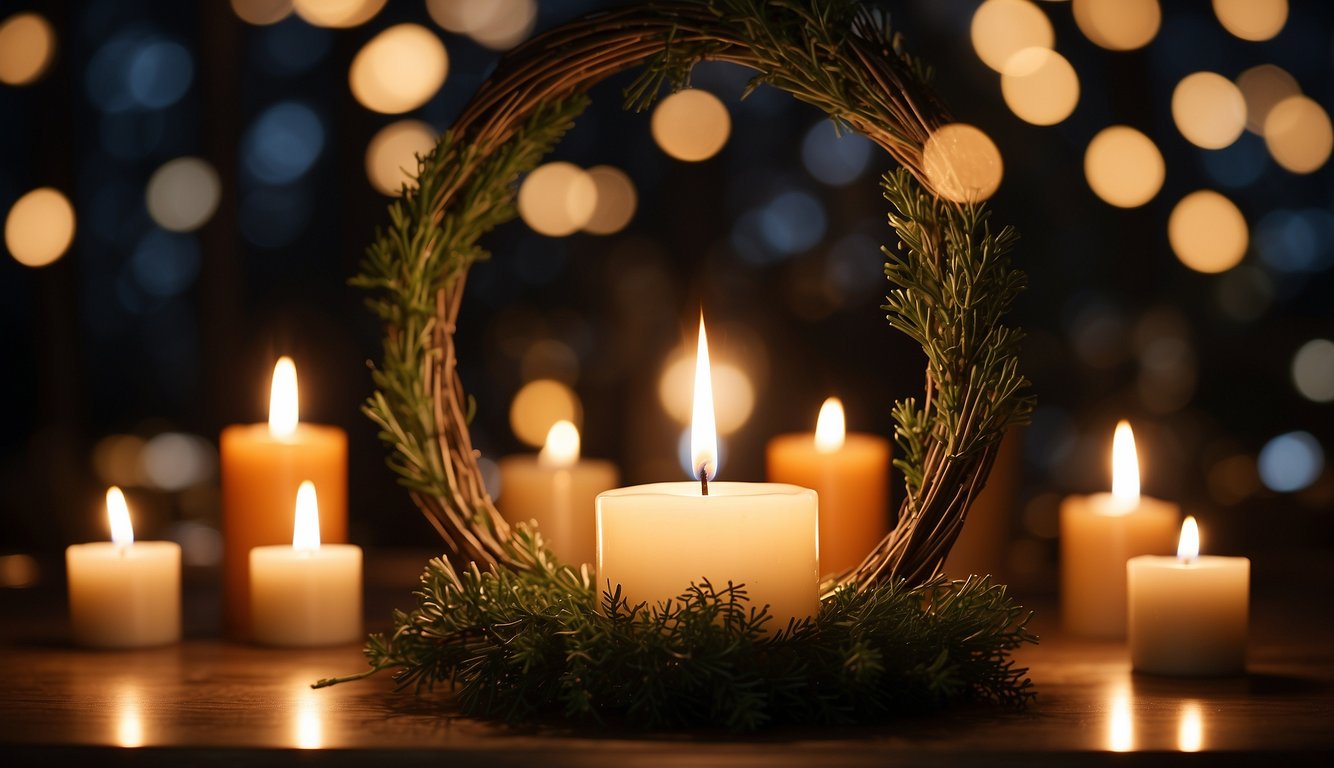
point(129, 723)
point(1263, 87)
point(39, 228)
point(830, 429)
point(309, 725)
point(1118, 25)
point(1121, 725)
point(557, 199)
point(1125, 465)
point(1002, 28)
point(284, 410)
point(616, 200)
point(183, 194)
point(1190, 729)
point(27, 46)
point(1207, 232)
point(306, 525)
point(399, 69)
point(391, 157)
point(1124, 167)
point(338, 14)
point(540, 404)
point(1040, 86)
point(1188, 546)
point(703, 433)
point(1209, 110)
point(691, 125)
point(496, 24)
point(562, 446)
point(962, 163)
point(733, 393)
point(118, 516)
point(262, 12)
point(1298, 134)
point(1252, 19)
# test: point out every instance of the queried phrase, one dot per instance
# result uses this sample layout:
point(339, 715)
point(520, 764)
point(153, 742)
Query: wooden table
point(208, 701)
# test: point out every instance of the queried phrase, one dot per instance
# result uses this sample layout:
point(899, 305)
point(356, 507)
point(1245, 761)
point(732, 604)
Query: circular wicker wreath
point(951, 280)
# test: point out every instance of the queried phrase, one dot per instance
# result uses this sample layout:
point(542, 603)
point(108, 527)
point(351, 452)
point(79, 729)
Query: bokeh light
point(1313, 370)
point(1002, 28)
point(283, 143)
point(1252, 19)
point(399, 69)
point(1208, 110)
point(1298, 134)
point(391, 156)
point(1118, 25)
point(557, 199)
point(39, 227)
point(118, 460)
point(1040, 86)
point(27, 47)
point(691, 125)
point(262, 13)
point(538, 405)
point(1262, 87)
point(835, 157)
point(338, 14)
point(183, 194)
point(496, 24)
point(1124, 167)
point(733, 393)
point(174, 461)
point(962, 163)
point(616, 200)
point(1290, 462)
point(1207, 232)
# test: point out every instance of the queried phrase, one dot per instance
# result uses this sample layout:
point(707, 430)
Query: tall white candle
point(123, 593)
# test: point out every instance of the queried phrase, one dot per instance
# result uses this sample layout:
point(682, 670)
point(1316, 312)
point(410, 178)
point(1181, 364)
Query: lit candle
point(850, 472)
point(308, 593)
point(558, 490)
point(1099, 533)
point(655, 540)
point(1188, 613)
point(262, 465)
point(123, 593)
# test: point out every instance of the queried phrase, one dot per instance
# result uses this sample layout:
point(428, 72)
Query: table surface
point(208, 700)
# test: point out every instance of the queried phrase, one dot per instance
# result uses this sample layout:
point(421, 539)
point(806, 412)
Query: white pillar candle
point(1098, 534)
point(305, 594)
point(123, 593)
point(655, 540)
point(557, 490)
point(1188, 614)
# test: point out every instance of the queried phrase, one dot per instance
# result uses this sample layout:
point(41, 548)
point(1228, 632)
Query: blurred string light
point(118, 460)
point(27, 47)
point(1238, 165)
point(1313, 370)
point(1124, 167)
point(1040, 86)
point(1209, 110)
point(134, 71)
point(962, 163)
point(183, 194)
point(1298, 134)
point(557, 199)
point(1296, 240)
point(691, 125)
point(1290, 462)
point(338, 14)
point(292, 46)
point(1207, 232)
point(1002, 28)
point(1252, 19)
point(1262, 87)
point(616, 200)
point(391, 156)
point(792, 222)
point(733, 393)
point(262, 12)
point(1118, 25)
point(399, 69)
point(174, 461)
point(495, 24)
point(39, 227)
point(283, 143)
point(165, 264)
point(538, 405)
point(835, 157)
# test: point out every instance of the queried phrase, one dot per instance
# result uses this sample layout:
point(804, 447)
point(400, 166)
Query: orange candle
point(850, 472)
point(263, 465)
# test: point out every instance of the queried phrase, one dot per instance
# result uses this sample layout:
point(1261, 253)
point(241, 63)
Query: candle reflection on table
point(308, 725)
point(129, 722)
point(1190, 729)
point(1121, 726)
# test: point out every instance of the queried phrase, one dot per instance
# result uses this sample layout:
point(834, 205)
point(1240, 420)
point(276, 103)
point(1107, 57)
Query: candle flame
point(118, 514)
point(1125, 465)
point(562, 447)
point(1188, 546)
point(306, 529)
point(703, 432)
point(283, 408)
point(830, 429)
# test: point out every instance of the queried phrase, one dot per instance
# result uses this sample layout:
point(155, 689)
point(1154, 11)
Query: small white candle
point(305, 594)
point(1188, 614)
point(123, 593)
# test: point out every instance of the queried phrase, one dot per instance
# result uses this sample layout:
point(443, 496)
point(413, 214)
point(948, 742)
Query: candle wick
point(704, 480)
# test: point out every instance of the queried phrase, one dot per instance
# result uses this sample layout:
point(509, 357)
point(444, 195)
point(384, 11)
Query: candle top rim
point(303, 427)
point(139, 547)
point(1104, 504)
point(1201, 561)
point(728, 489)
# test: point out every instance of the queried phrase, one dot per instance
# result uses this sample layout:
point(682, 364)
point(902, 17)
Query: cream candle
point(123, 593)
point(262, 465)
point(1099, 533)
point(654, 540)
point(557, 489)
point(850, 472)
point(1188, 614)
point(306, 594)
